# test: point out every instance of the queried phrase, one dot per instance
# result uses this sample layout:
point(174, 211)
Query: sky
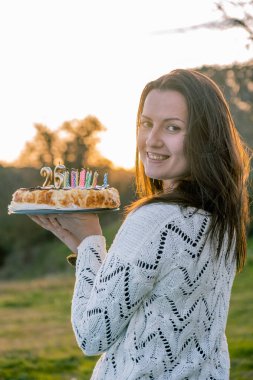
point(66, 59)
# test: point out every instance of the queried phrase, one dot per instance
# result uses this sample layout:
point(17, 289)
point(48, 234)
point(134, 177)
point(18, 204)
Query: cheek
point(177, 147)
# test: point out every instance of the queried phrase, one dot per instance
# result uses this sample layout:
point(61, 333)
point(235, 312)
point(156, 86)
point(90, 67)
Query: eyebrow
point(167, 119)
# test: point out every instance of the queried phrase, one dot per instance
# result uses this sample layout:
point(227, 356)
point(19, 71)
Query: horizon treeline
point(74, 142)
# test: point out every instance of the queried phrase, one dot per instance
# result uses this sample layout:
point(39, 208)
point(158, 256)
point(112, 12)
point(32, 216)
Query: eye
point(172, 128)
point(146, 124)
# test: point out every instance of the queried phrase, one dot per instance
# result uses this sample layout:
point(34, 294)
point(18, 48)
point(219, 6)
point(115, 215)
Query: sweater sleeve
point(109, 291)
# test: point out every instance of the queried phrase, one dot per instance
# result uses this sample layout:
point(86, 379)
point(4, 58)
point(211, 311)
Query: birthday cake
point(72, 190)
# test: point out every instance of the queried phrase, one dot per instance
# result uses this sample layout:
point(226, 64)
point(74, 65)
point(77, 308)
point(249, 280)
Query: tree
point(39, 151)
point(72, 144)
point(237, 14)
point(237, 84)
point(78, 144)
point(234, 14)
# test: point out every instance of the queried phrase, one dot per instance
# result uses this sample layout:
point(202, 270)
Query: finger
point(43, 221)
point(39, 218)
point(36, 219)
point(80, 217)
point(55, 222)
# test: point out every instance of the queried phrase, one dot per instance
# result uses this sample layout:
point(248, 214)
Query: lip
point(163, 157)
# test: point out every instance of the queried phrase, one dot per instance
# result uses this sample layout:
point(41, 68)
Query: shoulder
point(150, 216)
point(164, 212)
point(158, 224)
point(146, 221)
point(156, 211)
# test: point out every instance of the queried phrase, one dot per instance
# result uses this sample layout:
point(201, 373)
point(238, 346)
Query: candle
point(46, 171)
point(105, 184)
point(74, 177)
point(87, 178)
point(59, 176)
point(66, 179)
point(82, 178)
point(95, 179)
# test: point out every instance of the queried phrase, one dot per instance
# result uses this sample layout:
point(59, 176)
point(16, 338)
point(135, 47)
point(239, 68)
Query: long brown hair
point(219, 161)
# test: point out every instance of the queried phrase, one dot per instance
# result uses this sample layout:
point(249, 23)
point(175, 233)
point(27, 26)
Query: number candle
point(59, 176)
point(46, 172)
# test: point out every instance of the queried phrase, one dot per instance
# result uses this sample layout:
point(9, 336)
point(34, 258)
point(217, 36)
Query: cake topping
point(59, 173)
point(74, 177)
point(65, 179)
point(46, 172)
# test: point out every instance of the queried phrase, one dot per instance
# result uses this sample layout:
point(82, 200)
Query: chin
point(156, 176)
point(154, 173)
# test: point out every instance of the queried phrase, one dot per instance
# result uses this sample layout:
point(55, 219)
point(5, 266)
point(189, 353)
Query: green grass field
point(37, 341)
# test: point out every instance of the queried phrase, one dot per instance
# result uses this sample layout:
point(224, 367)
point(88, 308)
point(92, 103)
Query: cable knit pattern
point(155, 306)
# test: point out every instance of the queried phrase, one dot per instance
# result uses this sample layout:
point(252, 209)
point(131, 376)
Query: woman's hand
point(71, 229)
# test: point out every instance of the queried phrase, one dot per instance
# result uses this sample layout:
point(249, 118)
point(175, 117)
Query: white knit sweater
point(156, 304)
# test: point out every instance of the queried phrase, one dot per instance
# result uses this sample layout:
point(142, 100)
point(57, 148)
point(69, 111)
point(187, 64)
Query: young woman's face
point(161, 135)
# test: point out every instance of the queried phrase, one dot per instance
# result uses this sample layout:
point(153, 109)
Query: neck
point(169, 184)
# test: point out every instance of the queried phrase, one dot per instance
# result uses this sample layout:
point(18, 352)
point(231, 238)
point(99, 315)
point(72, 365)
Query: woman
point(156, 304)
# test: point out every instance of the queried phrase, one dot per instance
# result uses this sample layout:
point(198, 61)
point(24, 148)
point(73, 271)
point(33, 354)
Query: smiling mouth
point(157, 157)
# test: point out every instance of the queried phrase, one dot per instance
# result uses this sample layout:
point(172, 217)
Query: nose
point(154, 138)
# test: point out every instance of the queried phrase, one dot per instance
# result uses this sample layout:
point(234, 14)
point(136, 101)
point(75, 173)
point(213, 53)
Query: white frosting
point(15, 206)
